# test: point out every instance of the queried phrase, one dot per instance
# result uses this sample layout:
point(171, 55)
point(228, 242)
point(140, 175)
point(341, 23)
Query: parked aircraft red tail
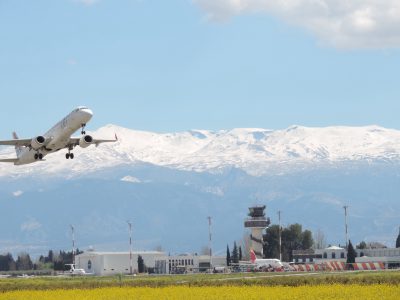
point(253, 256)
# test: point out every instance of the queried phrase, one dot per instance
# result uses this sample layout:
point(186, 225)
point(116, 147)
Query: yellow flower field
point(376, 291)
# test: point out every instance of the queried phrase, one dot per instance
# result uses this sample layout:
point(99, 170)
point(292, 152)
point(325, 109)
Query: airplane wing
point(18, 142)
point(9, 160)
point(75, 141)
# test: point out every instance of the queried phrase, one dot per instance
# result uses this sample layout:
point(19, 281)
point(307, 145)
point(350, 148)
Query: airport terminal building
point(111, 263)
point(390, 257)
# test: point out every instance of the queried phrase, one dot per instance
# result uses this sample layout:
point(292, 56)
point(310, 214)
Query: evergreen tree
point(50, 257)
point(6, 262)
point(240, 253)
point(12, 263)
point(271, 242)
point(292, 239)
point(140, 263)
point(306, 240)
point(235, 254)
point(58, 265)
point(228, 256)
point(24, 262)
point(362, 245)
point(4, 266)
point(398, 241)
point(351, 254)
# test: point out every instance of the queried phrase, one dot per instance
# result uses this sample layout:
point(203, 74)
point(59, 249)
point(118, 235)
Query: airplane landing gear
point(38, 156)
point(83, 132)
point(69, 155)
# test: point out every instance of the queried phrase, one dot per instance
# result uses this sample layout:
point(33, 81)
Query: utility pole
point(345, 224)
point(130, 247)
point(280, 236)
point(73, 243)
point(209, 240)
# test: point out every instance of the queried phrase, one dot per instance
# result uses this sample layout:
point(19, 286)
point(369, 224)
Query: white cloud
point(130, 179)
point(340, 23)
point(30, 225)
point(87, 2)
point(17, 193)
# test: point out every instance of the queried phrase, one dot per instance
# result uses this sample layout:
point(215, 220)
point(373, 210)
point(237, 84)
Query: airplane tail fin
point(18, 149)
point(253, 256)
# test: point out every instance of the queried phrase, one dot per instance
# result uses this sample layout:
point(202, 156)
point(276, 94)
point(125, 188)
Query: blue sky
point(181, 64)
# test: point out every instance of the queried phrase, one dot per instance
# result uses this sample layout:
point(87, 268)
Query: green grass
point(259, 279)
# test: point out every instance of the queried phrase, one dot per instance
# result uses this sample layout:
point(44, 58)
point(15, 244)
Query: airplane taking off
point(265, 263)
point(57, 138)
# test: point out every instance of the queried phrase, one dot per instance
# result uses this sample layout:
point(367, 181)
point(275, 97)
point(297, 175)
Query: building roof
point(124, 253)
point(334, 248)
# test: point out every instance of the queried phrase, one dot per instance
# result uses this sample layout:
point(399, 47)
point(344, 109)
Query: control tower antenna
point(280, 236)
point(130, 246)
point(210, 240)
point(346, 207)
point(73, 244)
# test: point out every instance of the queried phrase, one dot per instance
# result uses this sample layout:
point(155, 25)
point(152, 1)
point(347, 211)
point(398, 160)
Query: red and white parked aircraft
point(265, 262)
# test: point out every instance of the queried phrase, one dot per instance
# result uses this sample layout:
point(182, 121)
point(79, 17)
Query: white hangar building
point(111, 263)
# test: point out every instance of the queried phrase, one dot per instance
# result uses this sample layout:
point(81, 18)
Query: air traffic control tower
point(257, 222)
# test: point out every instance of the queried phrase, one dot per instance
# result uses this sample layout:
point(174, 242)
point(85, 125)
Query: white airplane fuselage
point(265, 263)
point(59, 136)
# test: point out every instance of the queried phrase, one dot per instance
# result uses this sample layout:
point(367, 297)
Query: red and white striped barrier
point(339, 266)
point(369, 266)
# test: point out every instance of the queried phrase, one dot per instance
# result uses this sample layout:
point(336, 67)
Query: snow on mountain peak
point(253, 150)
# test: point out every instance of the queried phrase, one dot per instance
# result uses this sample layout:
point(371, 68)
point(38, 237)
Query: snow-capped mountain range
point(165, 180)
point(254, 150)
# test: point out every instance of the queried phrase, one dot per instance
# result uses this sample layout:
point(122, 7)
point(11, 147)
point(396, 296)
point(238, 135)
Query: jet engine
point(38, 142)
point(85, 141)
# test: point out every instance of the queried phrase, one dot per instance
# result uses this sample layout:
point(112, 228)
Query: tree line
point(51, 261)
point(292, 238)
point(237, 254)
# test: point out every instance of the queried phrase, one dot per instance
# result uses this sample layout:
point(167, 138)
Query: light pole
point(209, 240)
point(73, 244)
point(280, 236)
point(130, 246)
point(345, 224)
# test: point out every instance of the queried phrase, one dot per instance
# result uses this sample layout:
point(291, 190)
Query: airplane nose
point(87, 113)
